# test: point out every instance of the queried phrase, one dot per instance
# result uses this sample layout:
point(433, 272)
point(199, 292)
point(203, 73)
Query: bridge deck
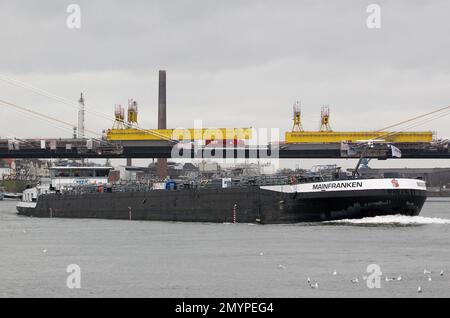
point(79, 148)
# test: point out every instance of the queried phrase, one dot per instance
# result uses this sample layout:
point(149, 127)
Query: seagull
point(44, 250)
point(261, 254)
point(429, 278)
point(315, 285)
point(355, 280)
point(425, 271)
point(390, 279)
point(334, 272)
point(442, 272)
point(281, 266)
point(308, 280)
point(419, 289)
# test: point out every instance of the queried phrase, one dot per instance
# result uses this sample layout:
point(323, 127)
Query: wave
point(393, 219)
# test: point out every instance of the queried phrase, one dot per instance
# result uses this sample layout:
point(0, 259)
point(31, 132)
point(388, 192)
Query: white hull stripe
point(24, 204)
point(350, 185)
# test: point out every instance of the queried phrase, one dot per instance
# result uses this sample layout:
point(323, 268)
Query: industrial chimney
point(162, 101)
point(161, 165)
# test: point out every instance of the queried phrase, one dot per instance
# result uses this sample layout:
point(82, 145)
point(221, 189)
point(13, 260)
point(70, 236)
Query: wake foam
point(393, 219)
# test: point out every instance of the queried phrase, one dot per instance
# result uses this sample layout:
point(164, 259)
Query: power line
point(48, 118)
point(413, 125)
point(30, 116)
point(73, 104)
point(417, 117)
point(427, 120)
point(45, 93)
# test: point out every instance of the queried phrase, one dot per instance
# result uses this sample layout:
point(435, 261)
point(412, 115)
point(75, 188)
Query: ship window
point(83, 173)
point(62, 173)
point(102, 173)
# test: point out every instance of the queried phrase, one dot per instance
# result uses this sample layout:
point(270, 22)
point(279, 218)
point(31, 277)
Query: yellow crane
point(326, 135)
point(128, 131)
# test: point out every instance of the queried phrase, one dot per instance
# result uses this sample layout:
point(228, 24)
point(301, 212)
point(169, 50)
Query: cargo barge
point(303, 201)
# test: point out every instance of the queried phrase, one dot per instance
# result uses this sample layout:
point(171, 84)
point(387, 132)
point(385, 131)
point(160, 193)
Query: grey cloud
point(211, 36)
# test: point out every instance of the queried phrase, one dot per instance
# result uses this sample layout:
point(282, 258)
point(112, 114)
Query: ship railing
point(106, 188)
point(136, 186)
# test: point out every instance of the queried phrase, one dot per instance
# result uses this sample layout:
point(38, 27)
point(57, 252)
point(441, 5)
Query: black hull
point(211, 205)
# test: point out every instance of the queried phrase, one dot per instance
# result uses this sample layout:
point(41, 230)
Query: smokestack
point(162, 101)
point(161, 165)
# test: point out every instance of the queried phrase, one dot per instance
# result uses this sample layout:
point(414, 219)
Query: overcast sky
point(229, 63)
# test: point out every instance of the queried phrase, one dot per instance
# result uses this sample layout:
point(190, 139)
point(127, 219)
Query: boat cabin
point(62, 177)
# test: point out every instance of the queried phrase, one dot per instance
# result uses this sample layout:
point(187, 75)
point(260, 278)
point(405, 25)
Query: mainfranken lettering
point(337, 185)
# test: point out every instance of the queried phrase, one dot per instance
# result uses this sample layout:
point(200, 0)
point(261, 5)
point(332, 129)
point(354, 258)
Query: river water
point(170, 259)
